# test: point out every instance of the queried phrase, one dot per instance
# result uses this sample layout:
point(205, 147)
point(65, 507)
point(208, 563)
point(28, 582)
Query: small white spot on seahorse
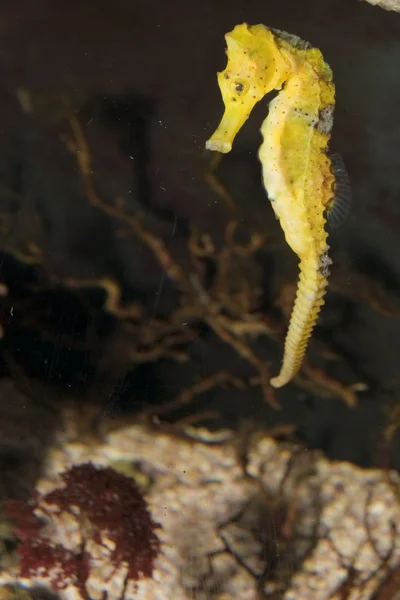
point(324, 263)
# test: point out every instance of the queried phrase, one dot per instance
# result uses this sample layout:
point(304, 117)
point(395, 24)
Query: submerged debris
point(387, 4)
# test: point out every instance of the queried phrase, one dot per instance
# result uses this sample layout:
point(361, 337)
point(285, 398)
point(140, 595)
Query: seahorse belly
point(289, 164)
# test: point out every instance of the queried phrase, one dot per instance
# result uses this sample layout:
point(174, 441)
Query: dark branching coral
point(109, 507)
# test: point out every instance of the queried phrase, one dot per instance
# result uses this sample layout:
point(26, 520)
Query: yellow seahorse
point(297, 172)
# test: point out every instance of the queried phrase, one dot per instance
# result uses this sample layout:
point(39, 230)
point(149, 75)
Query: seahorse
point(297, 172)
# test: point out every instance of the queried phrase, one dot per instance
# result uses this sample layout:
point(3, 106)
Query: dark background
point(142, 75)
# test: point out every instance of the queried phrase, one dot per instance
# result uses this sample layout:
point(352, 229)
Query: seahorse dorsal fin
point(339, 207)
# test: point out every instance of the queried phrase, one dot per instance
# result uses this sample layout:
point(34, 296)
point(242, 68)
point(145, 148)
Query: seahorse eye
point(239, 86)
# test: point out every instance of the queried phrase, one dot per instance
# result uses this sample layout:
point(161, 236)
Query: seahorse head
point(256, 65)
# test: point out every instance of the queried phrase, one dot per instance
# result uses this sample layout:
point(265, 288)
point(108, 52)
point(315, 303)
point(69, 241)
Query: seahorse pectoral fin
point(231, 123)
point(338, 208)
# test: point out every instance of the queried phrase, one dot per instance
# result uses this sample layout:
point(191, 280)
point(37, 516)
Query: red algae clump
point(111, 510)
